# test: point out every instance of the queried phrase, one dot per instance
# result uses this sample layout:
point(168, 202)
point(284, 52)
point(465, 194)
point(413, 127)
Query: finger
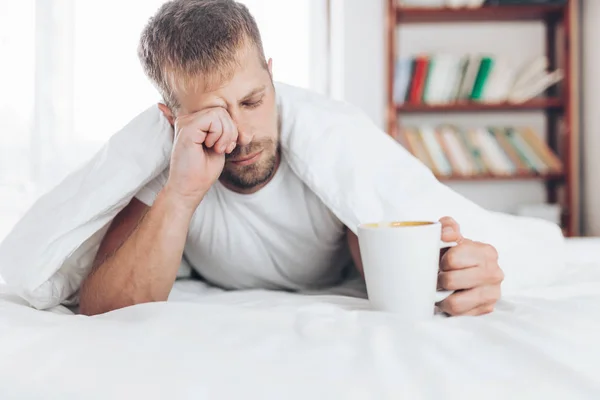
point(464, 255)
point(229, 134)
point(481, 310)
point(233, 139)
point(214, 129)
point(450, 230)
point(464, 301)
point(231, 147)
point(185, 134)
point(192, 136)
point(459, 279)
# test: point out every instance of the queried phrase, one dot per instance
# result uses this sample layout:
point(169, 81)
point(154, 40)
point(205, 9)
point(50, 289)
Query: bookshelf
point(558, 104)
point(534, 104)
point(480, 14)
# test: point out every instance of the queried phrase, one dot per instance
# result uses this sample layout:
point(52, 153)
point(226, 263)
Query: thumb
point(450, 230)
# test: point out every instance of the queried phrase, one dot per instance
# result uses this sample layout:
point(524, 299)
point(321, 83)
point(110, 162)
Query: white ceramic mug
point(401, 263)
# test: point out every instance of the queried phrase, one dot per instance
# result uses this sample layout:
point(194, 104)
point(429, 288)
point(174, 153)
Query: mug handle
point(441, 295)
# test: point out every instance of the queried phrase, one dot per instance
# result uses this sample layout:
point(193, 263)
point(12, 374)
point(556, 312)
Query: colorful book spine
point(487, 151)
point(439, 79)
point(402, 78)
point(440, 160)
point(511, 152)
point(419, 77)
point(542, 150)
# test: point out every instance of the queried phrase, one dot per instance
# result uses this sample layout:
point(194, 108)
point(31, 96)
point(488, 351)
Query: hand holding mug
point(470, 269)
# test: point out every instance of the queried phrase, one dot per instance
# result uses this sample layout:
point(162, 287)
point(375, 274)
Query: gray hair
point(188, 38)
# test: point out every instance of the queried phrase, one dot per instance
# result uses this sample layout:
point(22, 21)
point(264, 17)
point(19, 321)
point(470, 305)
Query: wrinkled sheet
point(205, 343)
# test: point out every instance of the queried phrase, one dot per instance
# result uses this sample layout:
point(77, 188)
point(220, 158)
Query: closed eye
point(252, 104)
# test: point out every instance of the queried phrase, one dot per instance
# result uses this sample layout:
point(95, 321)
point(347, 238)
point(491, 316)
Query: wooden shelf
point(486, 13)
point(517, 177)
point(531, 105)
point(561, 46)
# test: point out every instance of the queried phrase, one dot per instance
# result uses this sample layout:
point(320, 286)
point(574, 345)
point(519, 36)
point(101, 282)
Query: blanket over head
point(358, 171)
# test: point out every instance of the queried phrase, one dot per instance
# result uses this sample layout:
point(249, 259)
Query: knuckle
point(447, 281)
point(498, 275)
point(452, 306)
point(491, 252)
point(488, 309)
point(452, 257)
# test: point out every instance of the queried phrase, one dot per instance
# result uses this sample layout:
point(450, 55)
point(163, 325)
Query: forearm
point(144, 268)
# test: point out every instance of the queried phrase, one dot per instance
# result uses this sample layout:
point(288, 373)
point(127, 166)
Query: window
point(17, 77)
point(101, 53)
point(70, 78)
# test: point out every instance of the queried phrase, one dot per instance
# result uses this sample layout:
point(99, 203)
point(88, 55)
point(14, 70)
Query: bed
point(205, 343)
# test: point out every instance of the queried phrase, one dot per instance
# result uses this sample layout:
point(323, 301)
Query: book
point(535, 87)
point(416, 147)
point(402, 76)
point(485, 68)
point(521, 166)
point(541, 149)
point(439, 79)
point(450, 151)
point(458, 156)
point(472, 151)
point(522, 146)
point(418, 79)
point(436, 152)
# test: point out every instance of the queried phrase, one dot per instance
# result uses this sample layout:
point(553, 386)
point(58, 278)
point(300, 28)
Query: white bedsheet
point(204, 343)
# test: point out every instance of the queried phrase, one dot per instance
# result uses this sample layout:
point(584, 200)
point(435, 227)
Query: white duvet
point(358, 171)
point(208, 344)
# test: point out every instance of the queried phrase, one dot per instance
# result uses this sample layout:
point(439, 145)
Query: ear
point(270, 67)
point(167, 113)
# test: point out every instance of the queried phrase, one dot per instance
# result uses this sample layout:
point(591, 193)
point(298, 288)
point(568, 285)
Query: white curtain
point(70, 78)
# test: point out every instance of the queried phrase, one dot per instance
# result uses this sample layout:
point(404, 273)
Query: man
point(229, 203)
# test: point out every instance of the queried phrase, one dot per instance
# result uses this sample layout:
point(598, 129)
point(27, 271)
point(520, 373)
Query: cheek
point(264, 123)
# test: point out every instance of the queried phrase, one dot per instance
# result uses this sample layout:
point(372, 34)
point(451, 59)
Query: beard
point(247, 177)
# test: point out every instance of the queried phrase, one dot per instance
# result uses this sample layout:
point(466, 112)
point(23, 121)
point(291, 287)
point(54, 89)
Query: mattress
point(207, 343)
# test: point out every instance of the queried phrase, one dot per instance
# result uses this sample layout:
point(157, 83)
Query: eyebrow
point(253, 93)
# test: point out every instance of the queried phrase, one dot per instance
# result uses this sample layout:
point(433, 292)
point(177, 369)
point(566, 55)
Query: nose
point(245, 134)
point(244, 137)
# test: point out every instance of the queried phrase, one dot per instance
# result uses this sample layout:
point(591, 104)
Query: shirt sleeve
point(148, 193)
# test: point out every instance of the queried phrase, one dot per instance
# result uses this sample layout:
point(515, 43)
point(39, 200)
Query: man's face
point(249, 97)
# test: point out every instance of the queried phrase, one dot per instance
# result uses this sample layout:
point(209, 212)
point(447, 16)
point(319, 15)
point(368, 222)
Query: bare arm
point(139, 257)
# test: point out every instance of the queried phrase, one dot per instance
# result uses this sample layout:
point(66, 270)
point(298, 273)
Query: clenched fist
point(201, 141)
point(471, 268)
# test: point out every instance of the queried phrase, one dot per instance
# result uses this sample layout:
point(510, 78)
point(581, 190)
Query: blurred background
point(497, 97)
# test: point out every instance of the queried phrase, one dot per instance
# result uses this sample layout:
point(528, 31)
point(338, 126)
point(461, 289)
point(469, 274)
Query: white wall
point(360, 76)
point(591, 120)
point(358, 70)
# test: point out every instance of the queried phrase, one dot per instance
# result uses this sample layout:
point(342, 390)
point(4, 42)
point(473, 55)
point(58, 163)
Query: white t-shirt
point(280, 237)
